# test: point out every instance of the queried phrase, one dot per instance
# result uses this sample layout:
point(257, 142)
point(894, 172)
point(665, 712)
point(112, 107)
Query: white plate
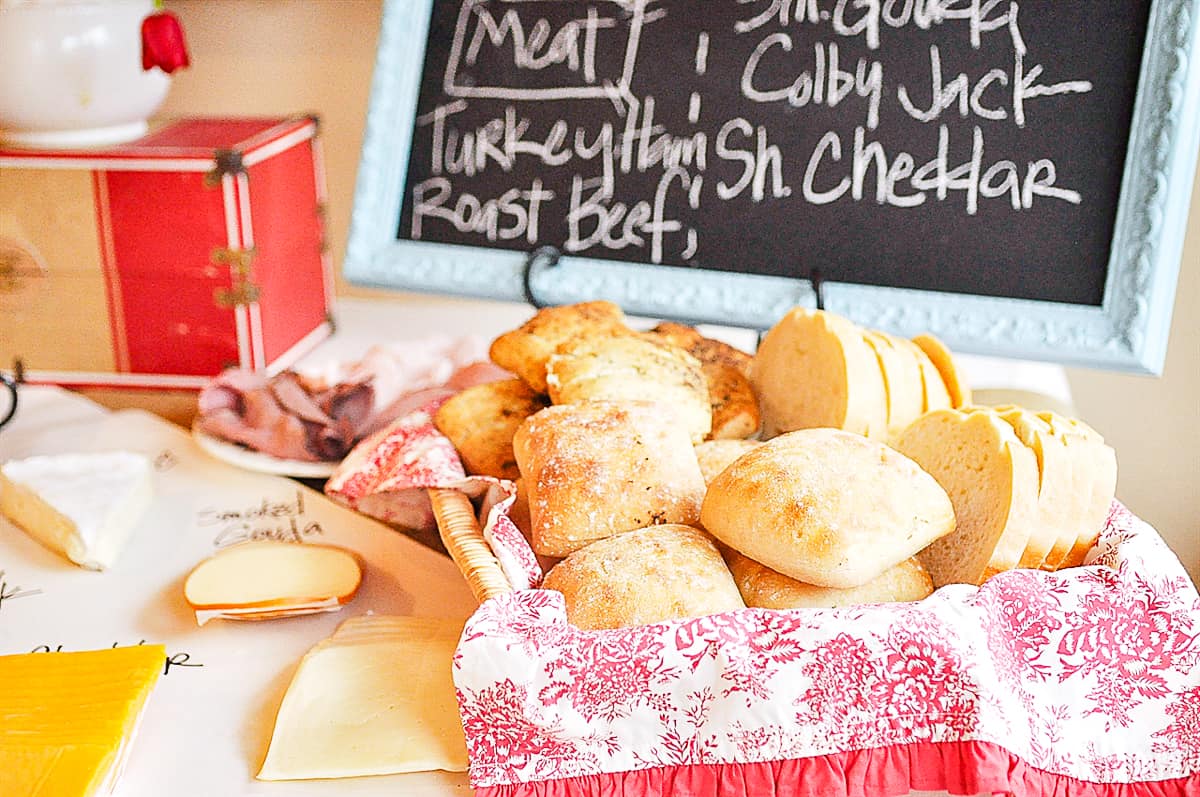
point(242, 457)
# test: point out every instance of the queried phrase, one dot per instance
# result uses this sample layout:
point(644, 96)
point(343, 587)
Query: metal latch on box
point(242, 291)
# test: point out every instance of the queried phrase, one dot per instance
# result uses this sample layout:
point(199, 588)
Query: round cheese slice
point(270, 578)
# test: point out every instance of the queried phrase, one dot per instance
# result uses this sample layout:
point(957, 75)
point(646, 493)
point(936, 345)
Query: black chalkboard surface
point(945, 146)
point(1011, 175)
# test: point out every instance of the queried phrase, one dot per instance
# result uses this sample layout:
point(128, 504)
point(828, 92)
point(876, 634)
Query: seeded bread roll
point(956, 384)
point(735, 414)
point(763, 588)
point(481, 420)
point(716, 455)
point(628, 367)
point(644, 576)
point(525, 350)
point(601, 468)
point(826, 507)
point(992, 480)
point(813, 369)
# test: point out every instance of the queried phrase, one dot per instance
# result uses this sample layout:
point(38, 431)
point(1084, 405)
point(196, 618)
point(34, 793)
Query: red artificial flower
point(163, 45)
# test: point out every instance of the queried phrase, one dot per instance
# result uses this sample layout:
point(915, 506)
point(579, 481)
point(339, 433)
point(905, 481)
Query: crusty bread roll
point(716, 455)
point(481, 420)
point(1086, 445)
point(942, 359)
point(630, 367)
point(901, 381)
point(763, 588)
point(601, 468)
point(992, 480)
point(518, 513)
point(826, 507)
point(525, 350)
point(813, 369)
point(735, 413)
point(644, 576)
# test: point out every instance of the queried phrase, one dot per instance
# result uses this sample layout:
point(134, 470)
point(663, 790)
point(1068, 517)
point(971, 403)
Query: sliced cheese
point(84, 506)
point(70, 718)
point(376, 698)
point(265, 579)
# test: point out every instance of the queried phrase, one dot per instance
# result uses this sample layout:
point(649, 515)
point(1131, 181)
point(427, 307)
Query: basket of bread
point(702, 570)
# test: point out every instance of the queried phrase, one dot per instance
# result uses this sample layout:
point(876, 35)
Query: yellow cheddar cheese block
point(376, 698)
point(69, 718)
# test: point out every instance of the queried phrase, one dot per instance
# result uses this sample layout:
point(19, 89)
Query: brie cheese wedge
point(84, 506)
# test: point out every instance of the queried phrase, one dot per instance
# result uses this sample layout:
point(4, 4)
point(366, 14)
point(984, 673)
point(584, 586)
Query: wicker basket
point(464, 541)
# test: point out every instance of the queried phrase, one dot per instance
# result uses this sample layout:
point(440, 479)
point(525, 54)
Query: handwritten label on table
point(266, 520)
point(935, 144)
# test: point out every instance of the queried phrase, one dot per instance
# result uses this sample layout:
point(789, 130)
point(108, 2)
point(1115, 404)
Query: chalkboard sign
point(1013, 176)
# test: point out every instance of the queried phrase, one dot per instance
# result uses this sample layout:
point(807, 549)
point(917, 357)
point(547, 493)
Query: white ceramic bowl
point(71, 72)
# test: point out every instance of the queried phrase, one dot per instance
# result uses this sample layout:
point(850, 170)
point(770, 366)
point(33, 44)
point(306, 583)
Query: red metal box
point(160, 262)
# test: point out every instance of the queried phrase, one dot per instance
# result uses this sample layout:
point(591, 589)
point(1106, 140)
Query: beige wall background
point(267, 57)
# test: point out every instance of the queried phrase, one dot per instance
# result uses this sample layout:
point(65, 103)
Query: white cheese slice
point(376, 698)
point(84, 506)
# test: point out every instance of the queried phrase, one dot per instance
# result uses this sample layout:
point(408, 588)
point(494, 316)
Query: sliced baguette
point(901, 382)
point(1064, 484)
point(943, 361)
point(813, 369)
point(1089, 445)
point(992, 480)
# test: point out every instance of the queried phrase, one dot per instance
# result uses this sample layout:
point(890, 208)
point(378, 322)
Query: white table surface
point(193, 743)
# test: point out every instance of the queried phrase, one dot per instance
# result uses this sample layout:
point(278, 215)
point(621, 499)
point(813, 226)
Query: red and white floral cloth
point(1081, 682)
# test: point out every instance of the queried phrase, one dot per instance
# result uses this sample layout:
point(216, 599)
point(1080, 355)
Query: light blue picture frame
point(1127, 332)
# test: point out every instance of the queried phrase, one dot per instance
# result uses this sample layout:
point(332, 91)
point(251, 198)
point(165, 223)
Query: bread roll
point(645, 576)
point(525, 350)
point(813, 369)
point(953, 379)
point(735, 412)
point(629, 367)
point(992, 480)
point(601, 468)
point(763, 588)
point(1087, 445)
point(716, 455)
point(481, 420)
point(826, 507)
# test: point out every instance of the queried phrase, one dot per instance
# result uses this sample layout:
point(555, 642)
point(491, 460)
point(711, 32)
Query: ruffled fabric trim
point(960, 768)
